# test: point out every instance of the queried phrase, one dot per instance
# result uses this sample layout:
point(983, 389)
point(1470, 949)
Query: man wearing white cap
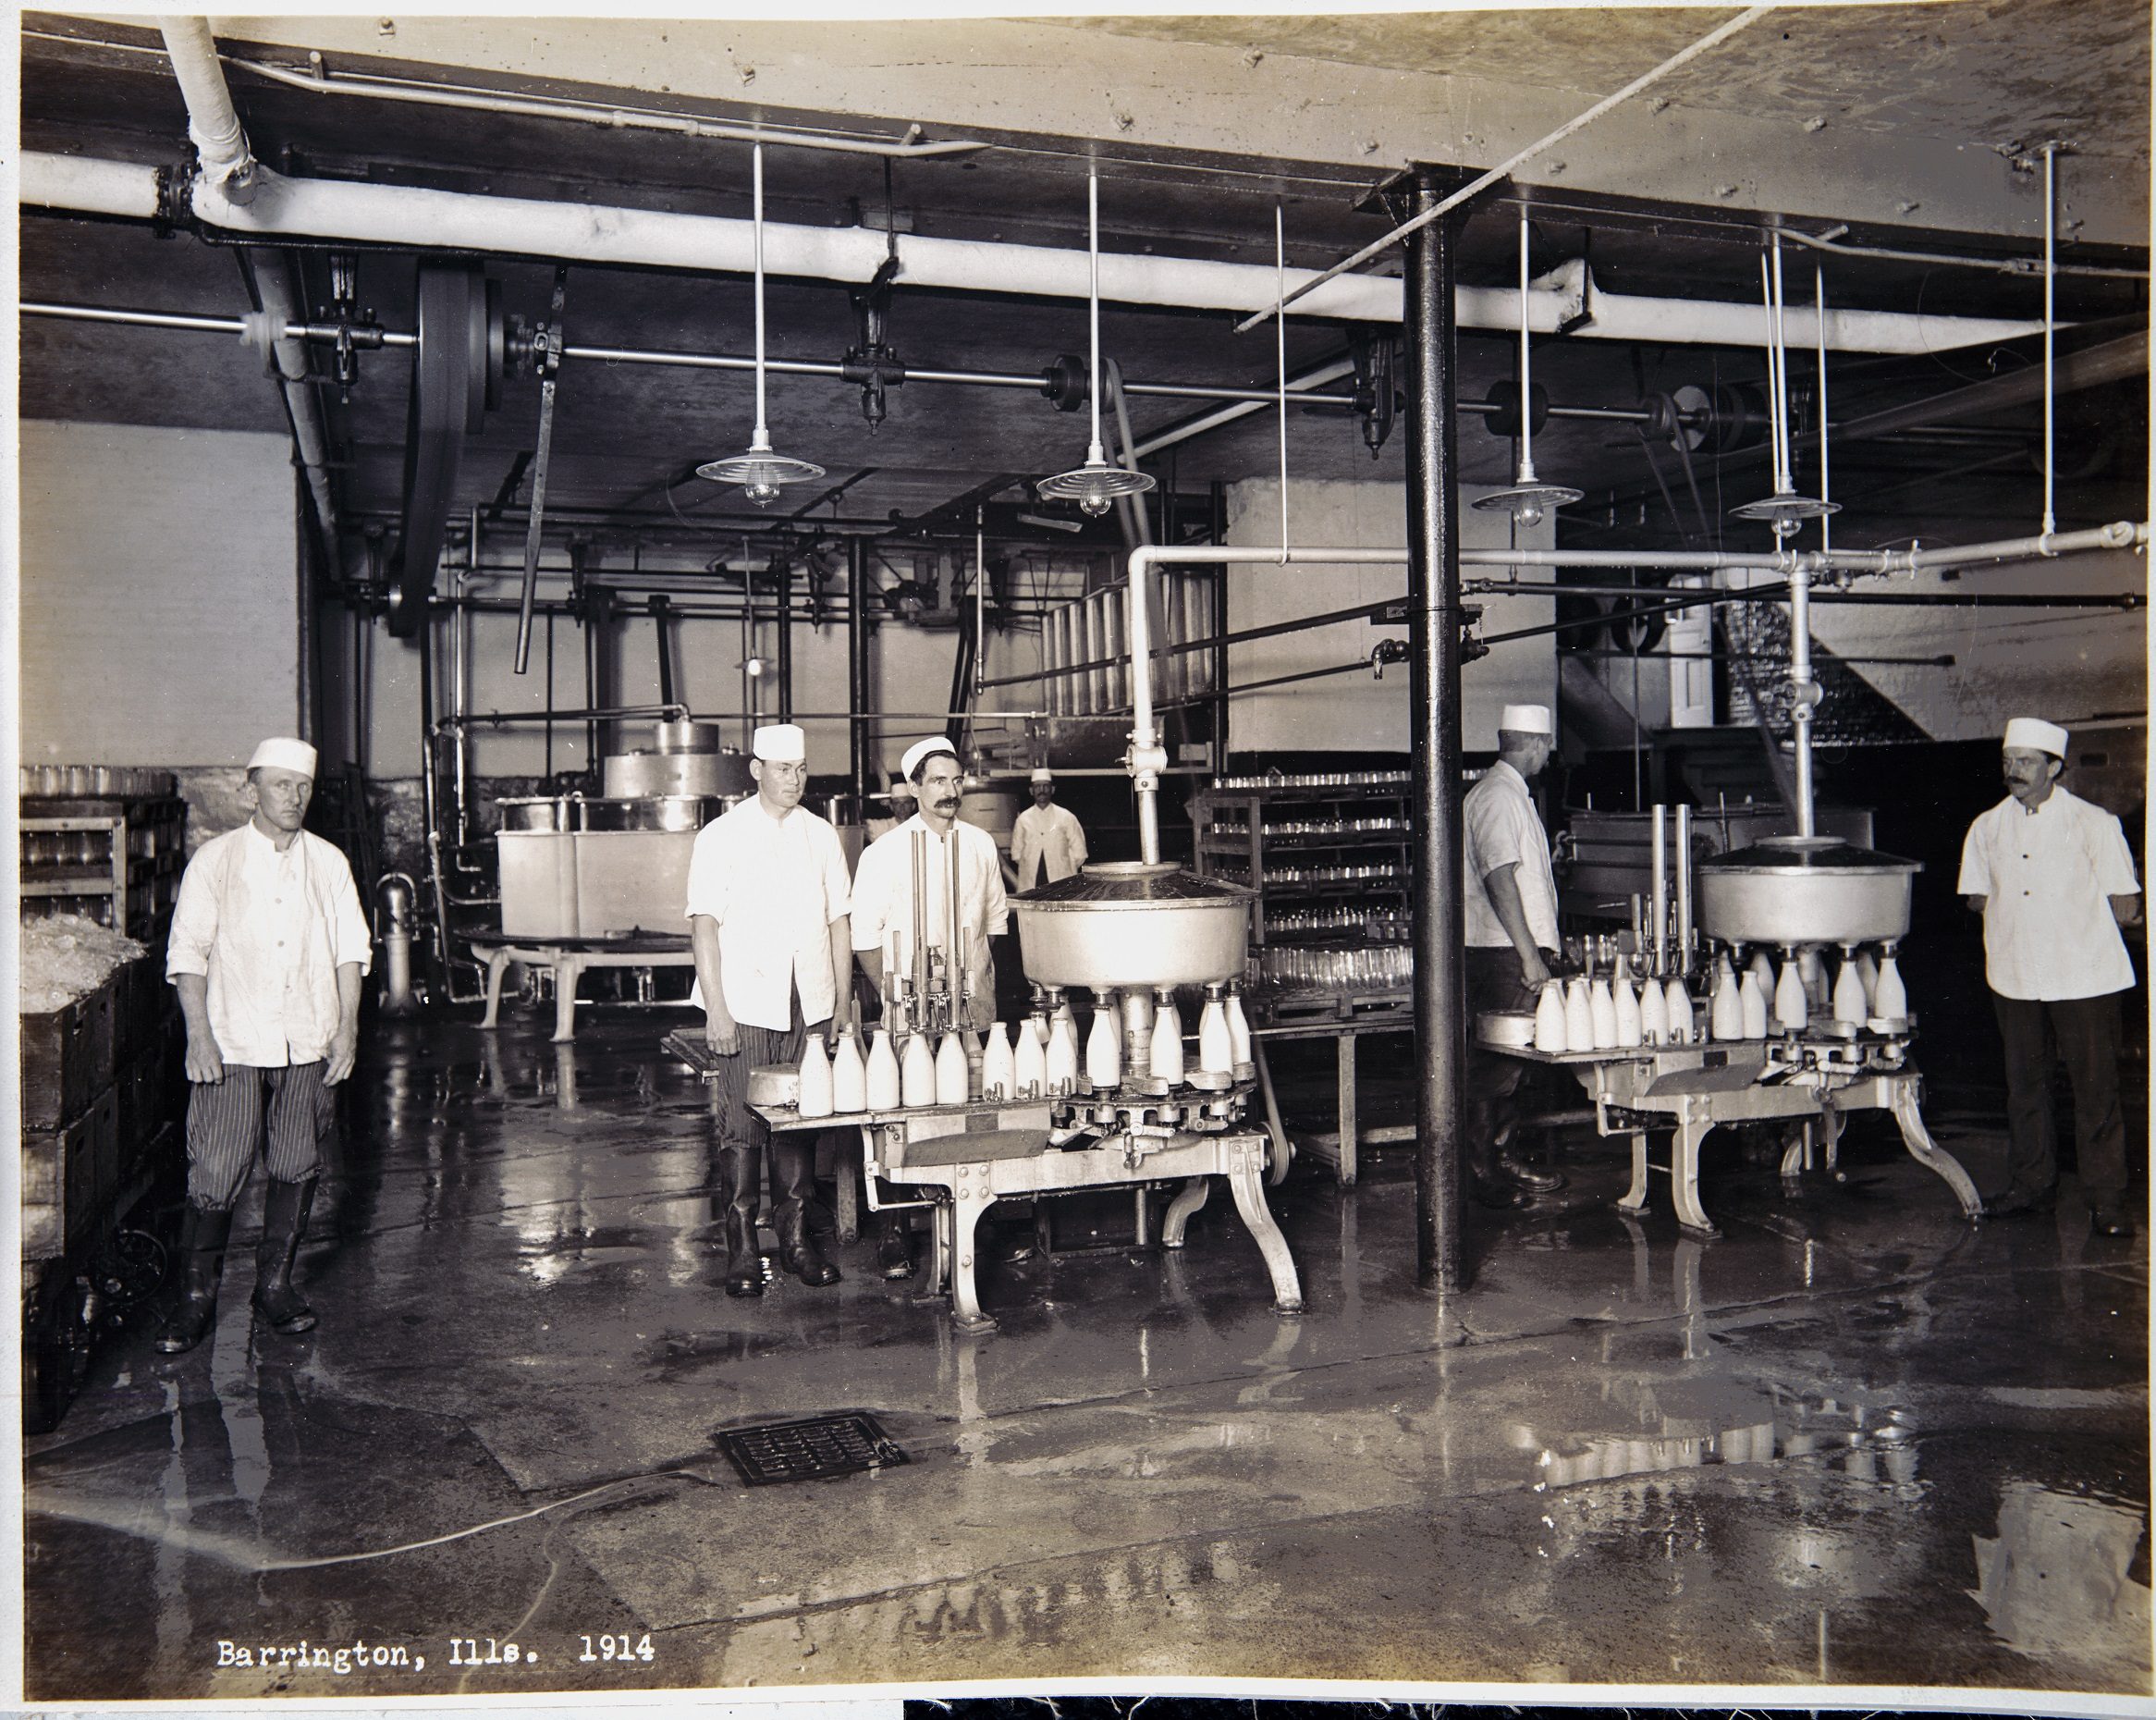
point(768, 901)
point(1048, 844)
point(902, 805)
point(1510, 901)
point(884, 927)
point(2054, 878)
point(267, 948)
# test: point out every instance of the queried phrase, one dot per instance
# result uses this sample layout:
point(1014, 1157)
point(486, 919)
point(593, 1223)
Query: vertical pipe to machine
point(1684, 843)
point(1433, 608)
point(1802, 694)
point(857, 667)
point(1659, 911)
point(785, 641)
point(2051, 242)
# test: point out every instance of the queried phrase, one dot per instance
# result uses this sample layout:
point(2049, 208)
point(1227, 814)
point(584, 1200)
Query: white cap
point(284, 754)
point(900, 786)
point(1528, 719)
point(1041, 773)
point(2037, 735)
point(779, 743)
point(925, 749)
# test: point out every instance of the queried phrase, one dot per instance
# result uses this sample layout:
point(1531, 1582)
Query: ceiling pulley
point(455, 377)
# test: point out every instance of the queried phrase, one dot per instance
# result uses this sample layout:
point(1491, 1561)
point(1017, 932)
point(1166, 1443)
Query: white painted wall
point(159, 594)
point(1357, 712)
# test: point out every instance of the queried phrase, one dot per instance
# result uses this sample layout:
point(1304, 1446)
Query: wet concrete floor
point(1857, 1441)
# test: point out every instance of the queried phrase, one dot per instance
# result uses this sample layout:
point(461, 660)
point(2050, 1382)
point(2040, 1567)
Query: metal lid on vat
point(1801, 856)
point(1131, 883)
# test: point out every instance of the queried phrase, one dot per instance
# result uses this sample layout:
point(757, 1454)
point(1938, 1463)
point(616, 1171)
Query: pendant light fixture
point(1096, 485)
point(760, 472)
point(1529, 498)
point(1785, 511)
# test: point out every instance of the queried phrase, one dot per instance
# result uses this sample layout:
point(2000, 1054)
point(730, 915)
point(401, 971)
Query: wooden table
point(568, 958)
point(1354, 1014)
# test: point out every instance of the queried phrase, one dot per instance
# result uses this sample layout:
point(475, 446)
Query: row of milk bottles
point(1596, 1013)
point(1040, 1058)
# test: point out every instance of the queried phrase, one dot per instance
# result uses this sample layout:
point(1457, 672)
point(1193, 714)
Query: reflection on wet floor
point(1855, 1441)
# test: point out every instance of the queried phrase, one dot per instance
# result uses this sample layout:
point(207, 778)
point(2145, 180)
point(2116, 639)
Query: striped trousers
point(733, 1122)
point(284, 1113)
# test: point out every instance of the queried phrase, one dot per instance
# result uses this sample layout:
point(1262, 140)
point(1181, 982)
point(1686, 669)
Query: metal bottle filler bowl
point(1126, 923)
point(1805, 889)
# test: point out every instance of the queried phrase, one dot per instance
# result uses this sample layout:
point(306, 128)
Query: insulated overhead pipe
point(471, 224)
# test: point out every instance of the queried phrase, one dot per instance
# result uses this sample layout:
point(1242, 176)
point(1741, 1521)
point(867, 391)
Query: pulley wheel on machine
point(1637, 635)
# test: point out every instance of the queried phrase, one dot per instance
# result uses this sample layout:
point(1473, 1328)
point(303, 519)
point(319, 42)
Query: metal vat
point(719, 772)
point(1128, 922)
point(675, 812)
point(1797, 889)
point(537, 813)
point(597, 869)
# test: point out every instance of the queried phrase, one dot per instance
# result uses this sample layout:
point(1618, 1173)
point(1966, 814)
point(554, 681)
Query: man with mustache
point(2054, 881)
point(883, 904)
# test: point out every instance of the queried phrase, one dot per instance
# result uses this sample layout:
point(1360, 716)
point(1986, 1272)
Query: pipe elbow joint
point(1145, 762)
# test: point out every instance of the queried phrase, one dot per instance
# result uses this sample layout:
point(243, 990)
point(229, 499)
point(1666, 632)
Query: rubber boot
point(894, 1250)
point(284, 1221)
point(795, 1161)
point(741, 1175)
point(1515, 1168)
point(203, 1236)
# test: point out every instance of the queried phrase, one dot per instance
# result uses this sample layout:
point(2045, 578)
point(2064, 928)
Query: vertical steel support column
point(857, 666)
point(1433, 613)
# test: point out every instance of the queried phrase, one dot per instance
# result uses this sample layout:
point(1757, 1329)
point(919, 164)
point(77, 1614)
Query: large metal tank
point(598, 868)
point(1127, 923)
point(1799, 889)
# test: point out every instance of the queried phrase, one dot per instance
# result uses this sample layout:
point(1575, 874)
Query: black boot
point(741, 1177)
point(284, 1221)
point(894, 1252)
point(795, 1161)
point(1515, 1168)
point(201, 1261)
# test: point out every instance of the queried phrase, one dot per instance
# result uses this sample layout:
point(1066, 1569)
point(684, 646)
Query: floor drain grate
point(810, 1449)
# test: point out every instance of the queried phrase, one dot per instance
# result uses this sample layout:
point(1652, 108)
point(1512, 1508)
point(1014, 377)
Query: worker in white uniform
point(267, 949)
point(2054, 880)
point(902, 805)
point(1048, 844)
point(768, 902)
point(883, 910)
point(1511, 922)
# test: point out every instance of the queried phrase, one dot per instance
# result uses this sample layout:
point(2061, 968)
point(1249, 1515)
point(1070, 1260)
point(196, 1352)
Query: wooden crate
point(144, 1008)
point(66, 1059)
point(152, 1095)
point(68, 1176)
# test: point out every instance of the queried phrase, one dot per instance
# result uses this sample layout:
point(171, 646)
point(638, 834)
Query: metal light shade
point(1785, 510)
point(1094, 485)
point(760, 472)
point(1528, 502)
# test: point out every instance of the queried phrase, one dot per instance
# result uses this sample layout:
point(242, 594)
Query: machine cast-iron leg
point(1926, 1151)
point(1634, 1200)
point(966, 1207)
point(1692, 1129)
point(1246, 1181)
point(569, 969)
point(1188, 1200)
point(498, 962)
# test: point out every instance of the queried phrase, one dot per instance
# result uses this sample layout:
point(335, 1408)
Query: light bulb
point(1530, 515)
point(762, 494)
point(1093, 503)
point(756, 667)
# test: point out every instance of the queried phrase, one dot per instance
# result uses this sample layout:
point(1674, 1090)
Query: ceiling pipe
point(211, 122)
point(413, 217)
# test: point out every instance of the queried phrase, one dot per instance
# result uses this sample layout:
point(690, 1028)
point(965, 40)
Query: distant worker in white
point(1510, 922)
point(768, 906)
point(267, 949)
point(2054, 880)
point(1048, 844)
